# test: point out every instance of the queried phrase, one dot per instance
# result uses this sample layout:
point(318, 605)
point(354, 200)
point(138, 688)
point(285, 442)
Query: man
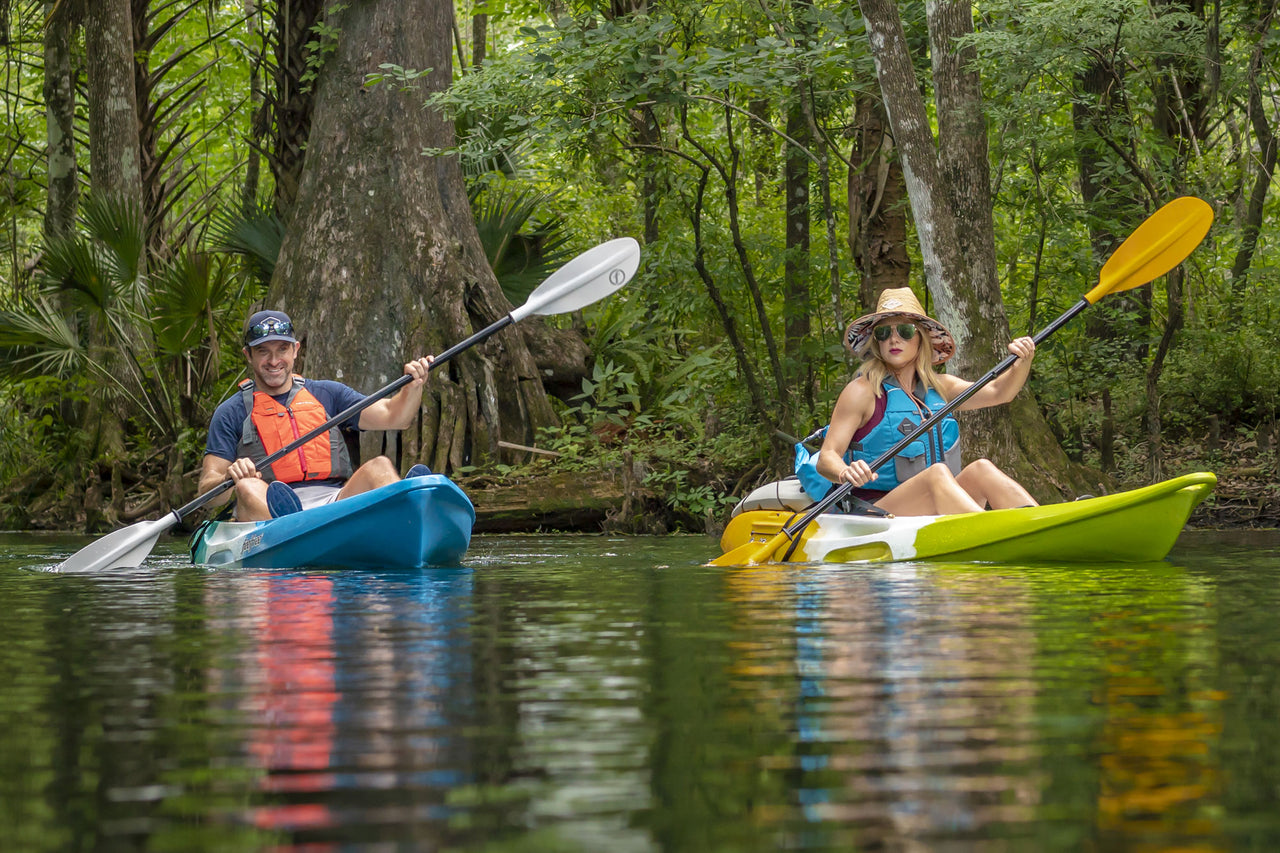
point(274, 407)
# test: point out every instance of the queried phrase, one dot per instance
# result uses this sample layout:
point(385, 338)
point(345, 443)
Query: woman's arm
point(1000, 390)
point(853, 408)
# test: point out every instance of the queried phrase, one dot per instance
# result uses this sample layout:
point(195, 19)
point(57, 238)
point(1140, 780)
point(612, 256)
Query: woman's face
point(899, 341)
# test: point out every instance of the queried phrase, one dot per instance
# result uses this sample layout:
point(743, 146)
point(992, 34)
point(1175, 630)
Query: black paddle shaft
point(349, 412)
point(796, 527)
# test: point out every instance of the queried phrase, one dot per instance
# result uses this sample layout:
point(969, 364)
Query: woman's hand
point(857, 473)
point(1023, 348)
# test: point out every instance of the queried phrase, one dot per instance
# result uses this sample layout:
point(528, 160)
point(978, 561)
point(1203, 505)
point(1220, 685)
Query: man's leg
point(377, 472)
point(251, 500)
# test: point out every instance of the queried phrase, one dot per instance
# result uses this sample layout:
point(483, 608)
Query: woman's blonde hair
point(876, 371)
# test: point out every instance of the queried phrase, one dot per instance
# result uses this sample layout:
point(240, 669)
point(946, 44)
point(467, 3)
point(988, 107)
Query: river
point(592, 693)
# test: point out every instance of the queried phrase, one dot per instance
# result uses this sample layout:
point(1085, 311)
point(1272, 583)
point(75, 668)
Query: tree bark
point(114, 165)
point(877, 206)
point(290, 101)
point(382, 261)
point(60, 109)
point(796, 303)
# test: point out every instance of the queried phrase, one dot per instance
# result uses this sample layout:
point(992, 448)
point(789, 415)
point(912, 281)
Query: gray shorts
point(313, 496)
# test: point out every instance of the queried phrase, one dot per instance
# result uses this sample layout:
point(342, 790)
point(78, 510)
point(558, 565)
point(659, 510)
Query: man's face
point(272, 365)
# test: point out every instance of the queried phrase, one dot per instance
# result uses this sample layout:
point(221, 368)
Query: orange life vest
point(270, 425)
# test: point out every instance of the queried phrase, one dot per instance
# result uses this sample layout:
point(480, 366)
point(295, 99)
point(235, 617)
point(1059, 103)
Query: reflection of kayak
point(421, 521)
point(1132, 526)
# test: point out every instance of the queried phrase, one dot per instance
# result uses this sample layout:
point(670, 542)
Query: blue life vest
point(901, 413)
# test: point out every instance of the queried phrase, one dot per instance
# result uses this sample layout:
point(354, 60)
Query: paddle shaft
point(845, 488)
point(348, 413)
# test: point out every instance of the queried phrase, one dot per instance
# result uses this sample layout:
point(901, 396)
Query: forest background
point(398, 174)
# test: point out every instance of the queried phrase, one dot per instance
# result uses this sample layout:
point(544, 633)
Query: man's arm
point(399, 411)
point(212, 472)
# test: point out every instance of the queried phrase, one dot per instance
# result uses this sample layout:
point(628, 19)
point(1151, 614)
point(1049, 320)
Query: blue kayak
point(421, 521)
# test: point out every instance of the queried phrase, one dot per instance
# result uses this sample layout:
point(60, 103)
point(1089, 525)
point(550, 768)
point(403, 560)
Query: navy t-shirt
point(228, 419)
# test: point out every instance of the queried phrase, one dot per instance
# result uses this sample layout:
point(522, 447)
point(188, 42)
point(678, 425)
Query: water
point(594, 693)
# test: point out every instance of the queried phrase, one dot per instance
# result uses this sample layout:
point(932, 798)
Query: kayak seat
point(788, 495)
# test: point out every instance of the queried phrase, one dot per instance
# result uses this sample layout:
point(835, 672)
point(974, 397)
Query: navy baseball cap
point(268, 326)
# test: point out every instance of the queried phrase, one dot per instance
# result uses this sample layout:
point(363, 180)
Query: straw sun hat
point(899, 302)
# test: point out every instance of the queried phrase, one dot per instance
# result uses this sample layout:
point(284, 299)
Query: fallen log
point(567, 500)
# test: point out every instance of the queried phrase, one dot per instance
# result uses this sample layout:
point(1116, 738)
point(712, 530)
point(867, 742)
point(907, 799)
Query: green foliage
point(255, 236)
point(392, 74)
point(323, 45)
point(148, 346)
point(522, 247)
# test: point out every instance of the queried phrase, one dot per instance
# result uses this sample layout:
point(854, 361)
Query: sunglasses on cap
point(906, 331)
point(269, 326)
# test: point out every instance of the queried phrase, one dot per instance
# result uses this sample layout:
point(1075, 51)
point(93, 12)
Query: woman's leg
point(988, 485)
point(934, 491)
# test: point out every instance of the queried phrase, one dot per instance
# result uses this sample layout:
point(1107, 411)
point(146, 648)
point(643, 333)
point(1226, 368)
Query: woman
point(876, 410)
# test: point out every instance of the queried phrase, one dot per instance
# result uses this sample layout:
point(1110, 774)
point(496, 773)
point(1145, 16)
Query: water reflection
point(595, 694)
point(354, 688)
point(961, 702)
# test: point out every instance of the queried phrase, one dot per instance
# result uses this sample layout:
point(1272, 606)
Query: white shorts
point(313, 496)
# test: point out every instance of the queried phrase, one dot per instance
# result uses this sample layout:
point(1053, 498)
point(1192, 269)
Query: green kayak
point(1134, 526)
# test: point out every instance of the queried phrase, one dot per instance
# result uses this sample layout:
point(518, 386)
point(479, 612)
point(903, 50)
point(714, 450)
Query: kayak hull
point(1135, 526)
point(413, 523)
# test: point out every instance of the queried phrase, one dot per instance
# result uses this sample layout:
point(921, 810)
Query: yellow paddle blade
point(1158, 245)
point(752, 553)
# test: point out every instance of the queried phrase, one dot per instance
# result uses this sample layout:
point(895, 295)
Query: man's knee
point(380, 466)
point(247, 487)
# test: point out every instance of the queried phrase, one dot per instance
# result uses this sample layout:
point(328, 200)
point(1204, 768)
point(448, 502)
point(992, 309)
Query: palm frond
point(256, 236)
point(522, 250)
point(39, 342)
point(118, 225)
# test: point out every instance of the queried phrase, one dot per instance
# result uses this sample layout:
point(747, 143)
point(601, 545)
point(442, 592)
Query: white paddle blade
point(120, 549)
point(588, 278)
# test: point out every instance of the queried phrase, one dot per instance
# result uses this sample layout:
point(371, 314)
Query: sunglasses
point(269, 326)
point(906, 331)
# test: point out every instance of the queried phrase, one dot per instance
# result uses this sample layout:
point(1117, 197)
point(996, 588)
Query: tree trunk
point(796, 307)
point(291, 101)
point(1266, 165)
point(945, 190)
point(114, 170)
point(382, 262)
point(114, 166)
point(877, 206)
point(60, 108)
point(479, 39)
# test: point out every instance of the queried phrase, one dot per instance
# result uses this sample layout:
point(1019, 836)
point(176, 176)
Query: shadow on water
point(592, 693)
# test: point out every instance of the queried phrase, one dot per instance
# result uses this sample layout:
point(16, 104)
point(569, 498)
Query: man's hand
point(241, 469)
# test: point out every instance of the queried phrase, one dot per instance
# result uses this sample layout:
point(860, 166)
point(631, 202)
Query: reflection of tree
point(1246, 662)
point(1122, 666)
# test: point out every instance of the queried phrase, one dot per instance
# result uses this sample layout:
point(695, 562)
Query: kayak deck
point(413, 523)
point(1134, 526)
